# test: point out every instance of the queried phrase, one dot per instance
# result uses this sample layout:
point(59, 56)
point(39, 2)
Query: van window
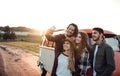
point(113, 42)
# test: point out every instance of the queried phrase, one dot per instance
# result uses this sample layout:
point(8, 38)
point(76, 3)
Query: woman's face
point(66, 45)
point(78, 38)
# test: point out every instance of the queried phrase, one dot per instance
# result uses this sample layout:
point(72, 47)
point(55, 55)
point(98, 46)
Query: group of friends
point(75, 57)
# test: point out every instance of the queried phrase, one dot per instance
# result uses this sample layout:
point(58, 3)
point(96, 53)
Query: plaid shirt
point(84, 63)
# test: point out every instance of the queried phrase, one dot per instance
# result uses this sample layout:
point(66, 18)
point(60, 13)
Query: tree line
point(8, 33)
point(20, 28)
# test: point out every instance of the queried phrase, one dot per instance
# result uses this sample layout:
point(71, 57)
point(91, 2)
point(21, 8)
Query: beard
point(69, 34)
point(96, 38)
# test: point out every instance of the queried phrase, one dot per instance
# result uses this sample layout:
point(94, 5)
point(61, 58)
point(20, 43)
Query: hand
point(51, 30)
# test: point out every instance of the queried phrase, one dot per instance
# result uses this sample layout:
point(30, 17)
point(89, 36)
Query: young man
point(103, 55)
point(70, 32)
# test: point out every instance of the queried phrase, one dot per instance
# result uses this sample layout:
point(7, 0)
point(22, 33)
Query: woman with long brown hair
point(82, 55)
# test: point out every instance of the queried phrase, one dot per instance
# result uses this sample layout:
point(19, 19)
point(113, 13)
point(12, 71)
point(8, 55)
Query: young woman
point(82, 64)
point(64, 61)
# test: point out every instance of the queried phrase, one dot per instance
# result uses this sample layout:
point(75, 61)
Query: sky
point(43, 14)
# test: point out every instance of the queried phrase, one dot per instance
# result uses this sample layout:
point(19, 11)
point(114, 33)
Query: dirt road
point(15, 61)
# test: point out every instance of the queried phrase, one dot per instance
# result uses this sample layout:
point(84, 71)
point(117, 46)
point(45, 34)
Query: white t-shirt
point(62, 68)
point(94, 60)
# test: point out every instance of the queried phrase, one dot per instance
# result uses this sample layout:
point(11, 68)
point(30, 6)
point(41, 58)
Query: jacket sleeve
point(110, 61)
point(51, 37)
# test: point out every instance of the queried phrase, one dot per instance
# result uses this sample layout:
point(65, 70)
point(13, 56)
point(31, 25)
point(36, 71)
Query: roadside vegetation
point(24, 45)
point(28, 42)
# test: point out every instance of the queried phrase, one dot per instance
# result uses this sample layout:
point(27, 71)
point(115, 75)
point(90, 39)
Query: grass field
point(29, 38)
point(25, 45)
point(26, 42)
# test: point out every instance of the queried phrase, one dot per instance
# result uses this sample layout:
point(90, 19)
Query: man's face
point(95, 35)
point(70, 30)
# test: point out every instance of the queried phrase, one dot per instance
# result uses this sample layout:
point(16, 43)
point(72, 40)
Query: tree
point(6, 35)
point(12, 35)
point(9, 33)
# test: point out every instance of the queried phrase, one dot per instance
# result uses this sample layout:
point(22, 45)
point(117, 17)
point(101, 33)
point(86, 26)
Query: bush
point(12, 35)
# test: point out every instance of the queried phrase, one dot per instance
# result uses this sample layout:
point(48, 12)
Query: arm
point(49, 35)
point(110, 61)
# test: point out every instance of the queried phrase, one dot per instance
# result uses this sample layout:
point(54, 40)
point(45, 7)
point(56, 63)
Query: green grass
point(25, 42)
point(24, 45)
point(29, 38)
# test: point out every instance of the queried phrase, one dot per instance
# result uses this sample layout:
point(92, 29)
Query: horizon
point(43, 30)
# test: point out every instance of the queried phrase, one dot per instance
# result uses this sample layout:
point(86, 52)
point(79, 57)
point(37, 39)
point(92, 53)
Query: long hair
point(80, 48)
point(71, 57)
point(76, 29)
